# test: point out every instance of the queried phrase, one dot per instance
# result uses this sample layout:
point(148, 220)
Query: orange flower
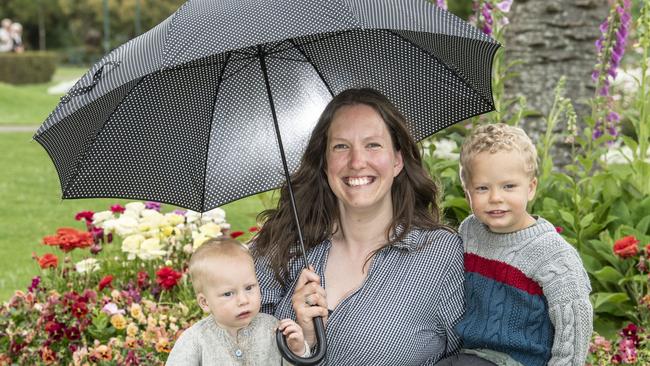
point(48, 260)
point(626, 247)
point(48, 356)
point(163, 346)
point(68, 239)
point(103, 352)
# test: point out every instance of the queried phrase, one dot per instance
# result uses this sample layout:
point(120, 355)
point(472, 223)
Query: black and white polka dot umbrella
point(182, 114)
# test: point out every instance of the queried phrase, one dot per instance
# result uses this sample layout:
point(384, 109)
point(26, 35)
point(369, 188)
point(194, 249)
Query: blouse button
point(238, 353)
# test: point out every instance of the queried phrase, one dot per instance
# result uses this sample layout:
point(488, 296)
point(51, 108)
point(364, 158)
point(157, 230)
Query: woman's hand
point(295, 338)
point(309, 301)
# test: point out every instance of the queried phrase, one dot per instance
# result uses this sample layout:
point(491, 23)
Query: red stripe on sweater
point(501, 272)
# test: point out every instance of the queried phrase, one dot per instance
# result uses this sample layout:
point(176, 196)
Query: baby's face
point(499, 189)
point(232, 293)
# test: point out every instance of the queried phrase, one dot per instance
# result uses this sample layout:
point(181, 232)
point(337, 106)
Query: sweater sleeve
point(566, 287)
point(186, 351)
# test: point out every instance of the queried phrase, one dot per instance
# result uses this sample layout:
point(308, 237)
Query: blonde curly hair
point(494, 138)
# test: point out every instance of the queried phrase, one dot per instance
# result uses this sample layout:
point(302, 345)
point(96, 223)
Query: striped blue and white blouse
point(403, 313)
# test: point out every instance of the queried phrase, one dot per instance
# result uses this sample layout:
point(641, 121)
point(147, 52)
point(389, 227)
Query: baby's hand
point(293, 334)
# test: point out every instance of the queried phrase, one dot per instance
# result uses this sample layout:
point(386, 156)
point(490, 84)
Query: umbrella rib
point(318, 72)
point(214, 106)
point(451, 70)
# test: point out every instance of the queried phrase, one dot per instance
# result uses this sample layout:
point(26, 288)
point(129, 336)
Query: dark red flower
point(143, 280)
point(236, 234)
point(117, 208)
point(626, 246)
point(79, 309)
point(72, 333)
point(106, 282)
point(48, 260)
point(559, 229)
point(167, 278)
point(647, 250)
point(85, 215)
point(131, 359)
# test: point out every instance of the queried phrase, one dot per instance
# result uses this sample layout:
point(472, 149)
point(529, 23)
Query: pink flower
point(117, 208)
point(112, 309)
point(504, 6)
point(559, 229)
point(86, 215)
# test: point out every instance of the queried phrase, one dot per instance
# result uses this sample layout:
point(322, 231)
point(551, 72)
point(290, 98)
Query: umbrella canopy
point(187, 113)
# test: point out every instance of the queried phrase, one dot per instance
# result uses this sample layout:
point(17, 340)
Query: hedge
point(27, 67)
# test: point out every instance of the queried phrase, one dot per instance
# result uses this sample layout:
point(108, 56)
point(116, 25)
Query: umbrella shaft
point(262, 57)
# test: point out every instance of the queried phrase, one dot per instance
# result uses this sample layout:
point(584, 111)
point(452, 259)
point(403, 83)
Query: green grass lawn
point(31, 207)
point(31, 104)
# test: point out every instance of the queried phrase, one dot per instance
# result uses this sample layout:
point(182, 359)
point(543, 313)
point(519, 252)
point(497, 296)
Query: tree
point(553, 38)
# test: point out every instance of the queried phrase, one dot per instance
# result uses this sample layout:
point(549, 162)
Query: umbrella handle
point(321, 341)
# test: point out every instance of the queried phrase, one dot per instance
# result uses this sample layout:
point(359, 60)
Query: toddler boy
point(526, 291)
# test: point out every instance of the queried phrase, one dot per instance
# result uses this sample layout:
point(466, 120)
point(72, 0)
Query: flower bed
point(125, 302)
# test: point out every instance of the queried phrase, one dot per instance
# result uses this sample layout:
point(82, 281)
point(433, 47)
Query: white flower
point(151, 249)
point(87, 265)
point(126, 225)
point(216, 215)
point(134, 207)
point(192, 216)
point(174, 219)
point(621, 155)
point(99, 217)
point(152, 217)
point(131, 245)
point(445, 149)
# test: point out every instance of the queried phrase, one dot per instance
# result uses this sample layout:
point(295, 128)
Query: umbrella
point(218, 101)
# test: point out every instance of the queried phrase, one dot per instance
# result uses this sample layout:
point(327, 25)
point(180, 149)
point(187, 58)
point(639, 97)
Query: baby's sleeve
point(186, 351)
point(566, 287)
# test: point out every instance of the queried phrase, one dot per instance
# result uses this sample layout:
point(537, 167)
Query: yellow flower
point(135, 310)
point(118, 321)
point(166, 231)
point(131, 330)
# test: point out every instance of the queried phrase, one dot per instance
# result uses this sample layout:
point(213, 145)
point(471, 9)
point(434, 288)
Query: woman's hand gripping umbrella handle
point(306, 361)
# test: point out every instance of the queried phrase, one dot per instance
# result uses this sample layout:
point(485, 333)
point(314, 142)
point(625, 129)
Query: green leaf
point(643, 225)
point(568, 217)
point(609, 274)
point(586, 221)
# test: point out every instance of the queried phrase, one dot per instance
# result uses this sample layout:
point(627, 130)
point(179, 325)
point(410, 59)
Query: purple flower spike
point(603, 26)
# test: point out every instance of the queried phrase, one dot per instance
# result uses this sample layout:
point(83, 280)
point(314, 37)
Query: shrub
point(27, 67)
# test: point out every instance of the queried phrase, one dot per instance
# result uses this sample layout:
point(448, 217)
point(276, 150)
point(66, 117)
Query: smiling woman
point(387, 276)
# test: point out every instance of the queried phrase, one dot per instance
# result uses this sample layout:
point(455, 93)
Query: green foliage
point(27, 67)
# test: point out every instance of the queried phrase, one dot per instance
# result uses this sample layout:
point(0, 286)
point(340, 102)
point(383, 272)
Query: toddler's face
point(232, 293)
point(499, 190)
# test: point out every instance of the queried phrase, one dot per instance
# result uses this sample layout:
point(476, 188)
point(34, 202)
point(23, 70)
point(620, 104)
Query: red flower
point(559, 229)
point(236, 234)
point(143, 280)
point(86, 215)
point(67, 239)
point(106, 281)
point(72, 333)
point(48, 260)
point(253, 229)
point(117, 208)
point(167, 278)
point(626, 247)
point(79, 309)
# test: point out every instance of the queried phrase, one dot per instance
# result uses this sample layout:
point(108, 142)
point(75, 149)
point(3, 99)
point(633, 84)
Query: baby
point(235, 332)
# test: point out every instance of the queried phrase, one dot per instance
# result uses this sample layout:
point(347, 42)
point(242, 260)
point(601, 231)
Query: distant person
point(16, 32)
point(6, 43)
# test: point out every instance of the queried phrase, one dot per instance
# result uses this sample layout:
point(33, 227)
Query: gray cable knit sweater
point(527, 297)
point(206, 344)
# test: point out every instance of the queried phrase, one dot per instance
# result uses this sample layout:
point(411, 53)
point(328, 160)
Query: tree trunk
point(553, 38)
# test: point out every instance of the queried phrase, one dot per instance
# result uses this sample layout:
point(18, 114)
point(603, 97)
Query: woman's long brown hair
point(414, 193)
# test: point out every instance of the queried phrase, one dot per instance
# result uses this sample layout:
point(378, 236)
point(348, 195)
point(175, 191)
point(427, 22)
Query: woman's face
point(361, 159)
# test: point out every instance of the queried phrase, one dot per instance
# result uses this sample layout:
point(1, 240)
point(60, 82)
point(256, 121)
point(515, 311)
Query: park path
point(18, 128)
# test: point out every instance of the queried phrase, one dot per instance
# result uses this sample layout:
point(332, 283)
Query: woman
point(387, 276)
